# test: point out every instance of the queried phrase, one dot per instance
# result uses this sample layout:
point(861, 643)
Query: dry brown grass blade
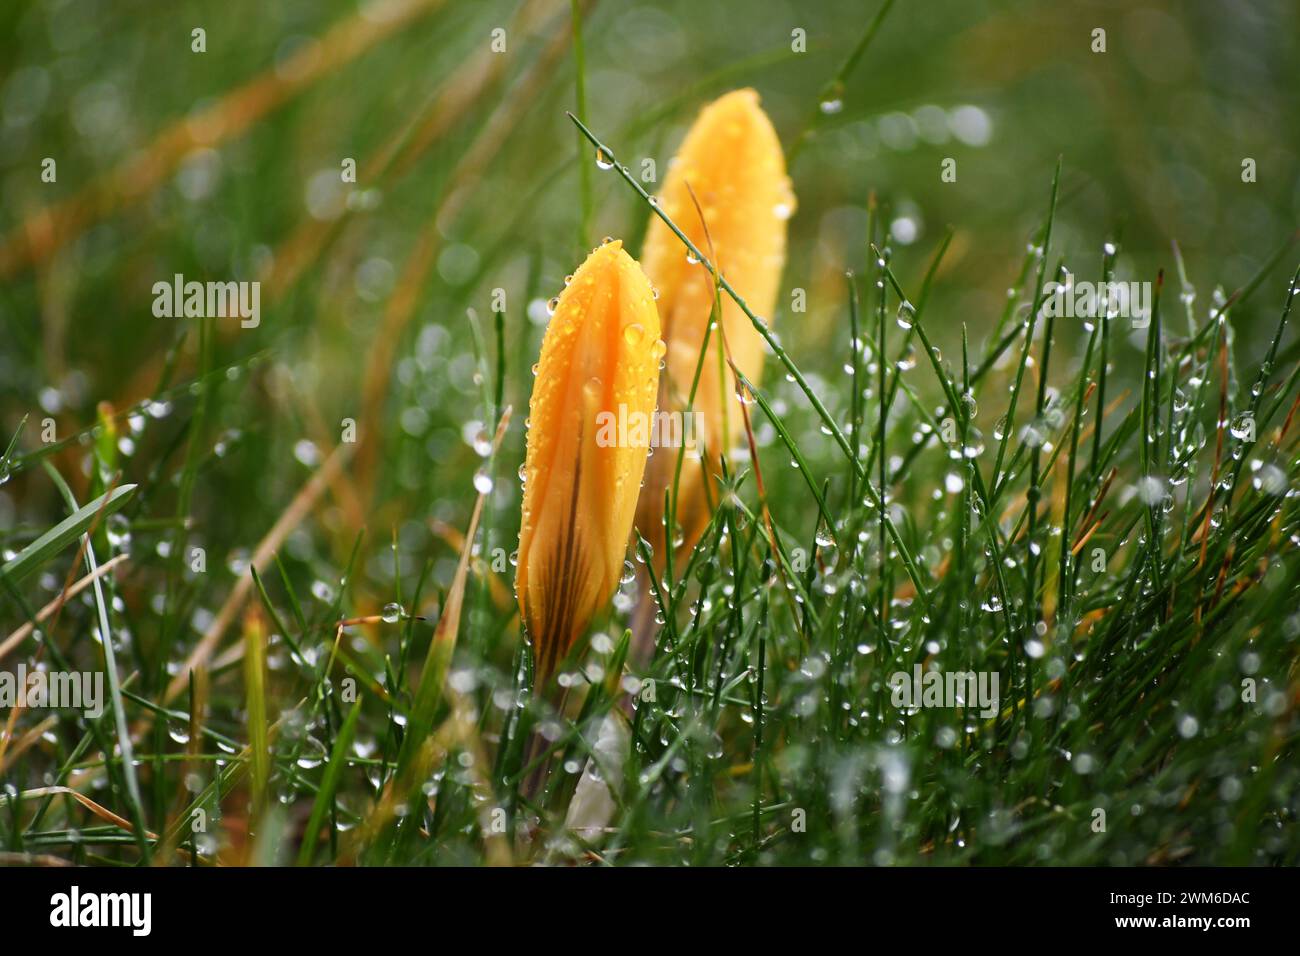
point(454, 538)
point(25, 741)
point(1286, 425)
point(1096, 503)
point(44, 614)
point(1087, 535)
point(105, 814)
point(47, 230)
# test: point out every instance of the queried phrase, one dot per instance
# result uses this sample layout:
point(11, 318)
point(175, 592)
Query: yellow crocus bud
point(590, 420)
point(732, 162)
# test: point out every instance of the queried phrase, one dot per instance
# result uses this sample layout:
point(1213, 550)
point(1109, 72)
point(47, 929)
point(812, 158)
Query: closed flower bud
point(589, 425)
point(732, 162)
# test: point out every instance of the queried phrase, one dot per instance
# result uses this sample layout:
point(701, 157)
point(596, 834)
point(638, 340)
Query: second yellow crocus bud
point(599, 369)
point(732, 162)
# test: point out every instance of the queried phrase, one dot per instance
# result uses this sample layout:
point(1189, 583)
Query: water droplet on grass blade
point(1270, 479)
point(906, 314)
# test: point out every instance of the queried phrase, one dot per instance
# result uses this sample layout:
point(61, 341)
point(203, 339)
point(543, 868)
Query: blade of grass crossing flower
point(782, 356)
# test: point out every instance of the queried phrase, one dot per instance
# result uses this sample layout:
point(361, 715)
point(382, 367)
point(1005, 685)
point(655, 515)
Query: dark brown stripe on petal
point(562, 587)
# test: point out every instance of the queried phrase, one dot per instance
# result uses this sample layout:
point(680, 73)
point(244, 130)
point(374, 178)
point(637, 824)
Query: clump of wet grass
point(314, 654)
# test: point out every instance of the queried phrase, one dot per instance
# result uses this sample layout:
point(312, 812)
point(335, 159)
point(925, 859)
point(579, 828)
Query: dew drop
point(906, 314)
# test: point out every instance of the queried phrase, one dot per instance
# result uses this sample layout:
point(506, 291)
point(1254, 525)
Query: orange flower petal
point(732, 161)
point(599, 363)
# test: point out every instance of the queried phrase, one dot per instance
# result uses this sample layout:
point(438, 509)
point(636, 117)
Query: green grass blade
point(36, 554)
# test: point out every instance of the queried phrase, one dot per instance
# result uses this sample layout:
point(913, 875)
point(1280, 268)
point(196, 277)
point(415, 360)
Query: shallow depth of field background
point(469, 181)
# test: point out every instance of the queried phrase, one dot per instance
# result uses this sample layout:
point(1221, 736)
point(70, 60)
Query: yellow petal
point(599, 363)
point(733, 163)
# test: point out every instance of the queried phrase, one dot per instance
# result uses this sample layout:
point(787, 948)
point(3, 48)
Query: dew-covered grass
point(941, 473)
